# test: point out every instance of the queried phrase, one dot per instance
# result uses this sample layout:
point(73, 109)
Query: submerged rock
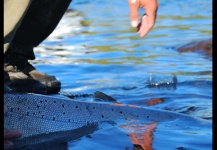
point(204, 46)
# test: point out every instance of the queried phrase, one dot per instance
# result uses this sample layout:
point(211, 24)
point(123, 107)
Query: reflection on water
point(95, 49)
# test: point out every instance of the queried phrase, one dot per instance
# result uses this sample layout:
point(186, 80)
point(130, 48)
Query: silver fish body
point(36, 115)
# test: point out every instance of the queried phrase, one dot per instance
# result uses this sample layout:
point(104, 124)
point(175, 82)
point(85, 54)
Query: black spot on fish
point(39, 112)
point(102, 116)
point(147, 116)
point(28, 107)
point(120, 112)
point(112, 109)
point(94, 107)
point(88, 136)
point(37, 106)
point(18, 109)
point(42, 116)
point(181, 148)
point(11, 109)
point(27, 113)
point(126, 119)
point(41, 101)
point(45, 101)
point(54, 118)
point(76, 106)
point(64, 113)
point(63, 105)
point(69, 120)
point(87, 107)
point(54, 101)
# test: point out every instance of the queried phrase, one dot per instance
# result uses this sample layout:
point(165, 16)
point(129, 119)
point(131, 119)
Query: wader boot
point(21, 76)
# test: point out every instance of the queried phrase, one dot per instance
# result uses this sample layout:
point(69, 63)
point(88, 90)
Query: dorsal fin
point(100, 96)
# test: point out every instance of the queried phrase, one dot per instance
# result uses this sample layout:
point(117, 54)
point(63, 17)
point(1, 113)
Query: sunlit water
point(95, 49)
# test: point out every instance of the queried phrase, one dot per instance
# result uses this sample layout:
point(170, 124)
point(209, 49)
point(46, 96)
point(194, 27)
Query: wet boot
point(21, 76)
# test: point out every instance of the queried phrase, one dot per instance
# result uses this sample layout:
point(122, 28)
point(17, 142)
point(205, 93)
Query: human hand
point(10, 134)
point(148, 20)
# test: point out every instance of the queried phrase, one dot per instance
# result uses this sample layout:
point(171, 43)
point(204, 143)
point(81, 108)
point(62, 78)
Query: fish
point(38, 116)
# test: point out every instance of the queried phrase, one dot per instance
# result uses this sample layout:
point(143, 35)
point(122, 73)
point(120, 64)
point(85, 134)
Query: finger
point(145, 26)
point(8, 145)
point(149, 19)
point(11, 134)
point(134, 16)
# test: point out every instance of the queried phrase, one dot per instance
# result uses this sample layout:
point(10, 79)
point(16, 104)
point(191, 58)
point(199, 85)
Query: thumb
point(134, 16)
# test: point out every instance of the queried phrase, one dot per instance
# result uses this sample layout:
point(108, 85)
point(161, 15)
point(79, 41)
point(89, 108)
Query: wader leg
point(39, 22)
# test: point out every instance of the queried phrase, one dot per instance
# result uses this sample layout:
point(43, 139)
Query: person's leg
point(14, 12)
point(39, 22)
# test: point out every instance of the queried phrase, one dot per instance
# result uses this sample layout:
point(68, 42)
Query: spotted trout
point(41, 115)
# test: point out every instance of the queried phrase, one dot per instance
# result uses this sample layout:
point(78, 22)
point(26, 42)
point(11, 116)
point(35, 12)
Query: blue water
point(95, 49)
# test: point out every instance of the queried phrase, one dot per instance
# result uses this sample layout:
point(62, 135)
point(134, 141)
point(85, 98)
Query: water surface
point(95, 49)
